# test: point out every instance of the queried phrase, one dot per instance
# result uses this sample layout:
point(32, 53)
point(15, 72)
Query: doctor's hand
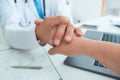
point(63, 32)
point(52, 30)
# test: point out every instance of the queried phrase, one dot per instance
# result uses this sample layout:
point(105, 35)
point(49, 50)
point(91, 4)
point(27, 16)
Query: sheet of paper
point(36, 57)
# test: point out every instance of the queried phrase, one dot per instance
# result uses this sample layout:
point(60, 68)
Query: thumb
point(53, 51)
point(38, 21)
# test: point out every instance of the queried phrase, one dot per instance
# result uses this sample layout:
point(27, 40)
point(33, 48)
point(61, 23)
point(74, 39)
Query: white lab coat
point(25, 37)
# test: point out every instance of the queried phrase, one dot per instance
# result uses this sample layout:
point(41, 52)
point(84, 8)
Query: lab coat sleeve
point(63, 9)
point(16, 36)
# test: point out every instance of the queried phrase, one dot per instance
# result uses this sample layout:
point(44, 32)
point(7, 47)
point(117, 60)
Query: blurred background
point(90, 9)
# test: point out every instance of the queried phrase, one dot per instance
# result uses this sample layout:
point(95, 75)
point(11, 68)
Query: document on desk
point(27, 65)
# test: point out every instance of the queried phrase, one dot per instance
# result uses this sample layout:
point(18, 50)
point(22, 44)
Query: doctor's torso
point(52, 8)
point(11, 14)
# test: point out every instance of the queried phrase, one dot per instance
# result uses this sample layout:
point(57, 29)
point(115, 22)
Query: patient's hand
point(74, 48)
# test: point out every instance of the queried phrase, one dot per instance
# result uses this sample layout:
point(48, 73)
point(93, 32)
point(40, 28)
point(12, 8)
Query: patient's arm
point(107, 53)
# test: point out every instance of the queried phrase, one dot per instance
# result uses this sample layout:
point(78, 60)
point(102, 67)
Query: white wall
point(85, 9)
point(113, 7)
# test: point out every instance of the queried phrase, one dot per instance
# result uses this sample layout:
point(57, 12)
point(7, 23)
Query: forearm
point(107, 53)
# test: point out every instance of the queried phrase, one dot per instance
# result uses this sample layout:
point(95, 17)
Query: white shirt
point(25, 37)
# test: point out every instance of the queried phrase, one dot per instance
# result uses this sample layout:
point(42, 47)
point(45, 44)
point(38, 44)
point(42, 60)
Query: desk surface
point(68, 73)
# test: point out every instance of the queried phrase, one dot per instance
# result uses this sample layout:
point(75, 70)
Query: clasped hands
point(55, 30)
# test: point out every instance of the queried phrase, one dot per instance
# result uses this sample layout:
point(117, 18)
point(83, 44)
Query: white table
point(32, 57)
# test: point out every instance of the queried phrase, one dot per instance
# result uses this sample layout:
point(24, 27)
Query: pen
point(27, 67)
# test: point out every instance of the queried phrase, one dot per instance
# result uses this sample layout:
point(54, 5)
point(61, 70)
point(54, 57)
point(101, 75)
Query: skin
point(52, 30)
point(105, 52)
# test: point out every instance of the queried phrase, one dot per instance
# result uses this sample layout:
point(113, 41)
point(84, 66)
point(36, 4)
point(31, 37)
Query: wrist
point(85, 46)
point(89, 47)
point(81, 46)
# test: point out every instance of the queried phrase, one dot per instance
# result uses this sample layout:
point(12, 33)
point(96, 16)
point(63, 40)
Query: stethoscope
point(25, 22)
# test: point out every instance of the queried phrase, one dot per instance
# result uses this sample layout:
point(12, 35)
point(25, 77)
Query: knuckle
point(60, 17)
point(63, 19)
point(47, 19)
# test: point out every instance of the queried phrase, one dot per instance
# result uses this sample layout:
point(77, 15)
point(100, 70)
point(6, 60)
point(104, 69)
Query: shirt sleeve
point(63, 9)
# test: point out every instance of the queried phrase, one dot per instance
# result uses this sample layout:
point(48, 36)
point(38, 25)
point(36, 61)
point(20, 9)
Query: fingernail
point(57, 42)
point(68, 38)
